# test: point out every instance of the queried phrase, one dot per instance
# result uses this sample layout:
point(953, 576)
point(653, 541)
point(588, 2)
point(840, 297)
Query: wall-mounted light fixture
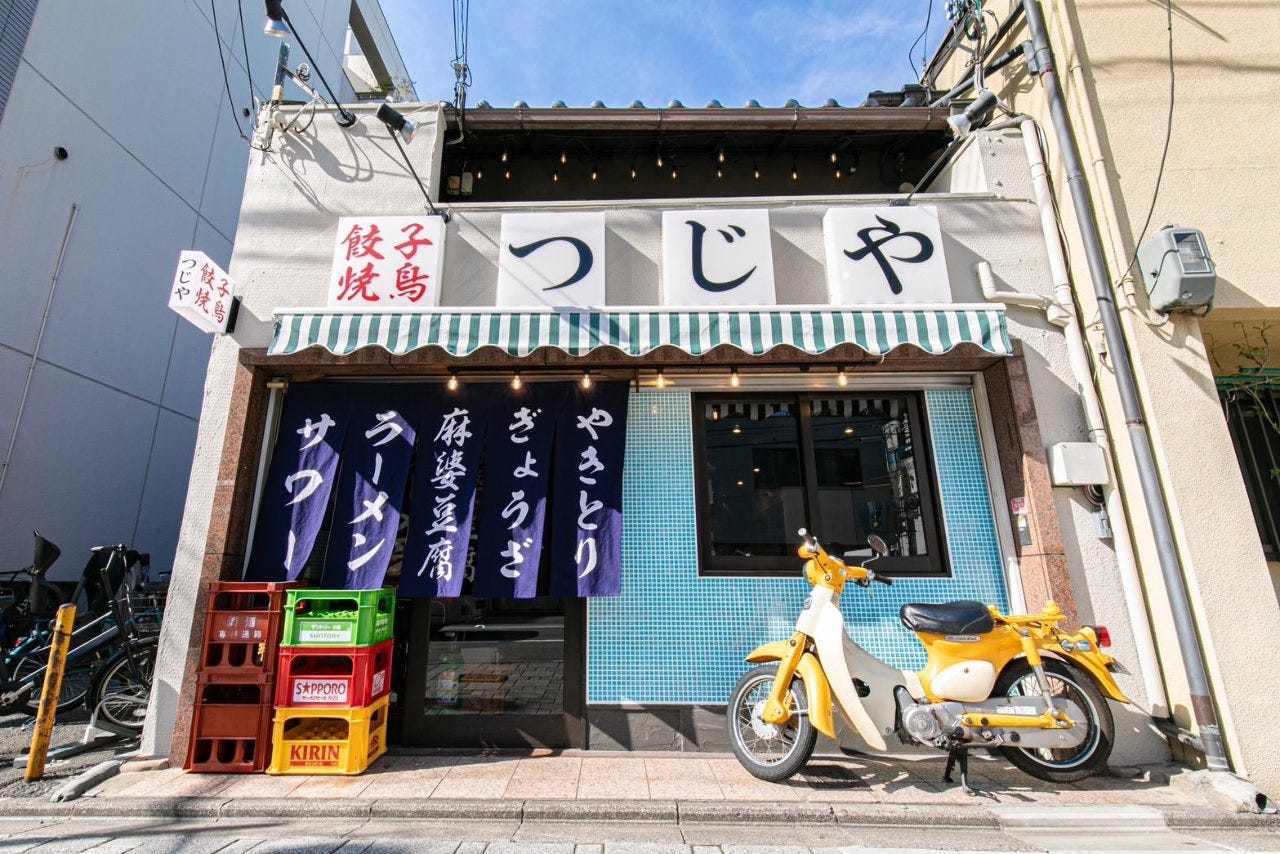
point(398, 126)
point(278, 25)
point(974, 115)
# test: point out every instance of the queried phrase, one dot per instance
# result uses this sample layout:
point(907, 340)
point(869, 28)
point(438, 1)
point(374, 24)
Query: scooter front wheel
point(772, 752)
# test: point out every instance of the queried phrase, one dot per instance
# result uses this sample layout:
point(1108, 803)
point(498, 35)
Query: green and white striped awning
point(934, 329)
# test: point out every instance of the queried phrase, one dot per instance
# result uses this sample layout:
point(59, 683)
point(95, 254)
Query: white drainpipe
point(1060, 311)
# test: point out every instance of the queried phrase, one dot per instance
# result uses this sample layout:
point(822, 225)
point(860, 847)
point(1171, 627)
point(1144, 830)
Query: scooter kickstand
point(961, 757)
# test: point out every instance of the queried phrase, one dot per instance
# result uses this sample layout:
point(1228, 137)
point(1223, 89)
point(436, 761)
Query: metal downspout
point(1152, 491)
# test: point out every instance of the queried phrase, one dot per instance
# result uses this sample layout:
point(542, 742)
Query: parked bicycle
point(112, 653)
point(26, 597)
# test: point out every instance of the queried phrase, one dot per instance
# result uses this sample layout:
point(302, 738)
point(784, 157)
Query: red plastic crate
point(333, 676)
point(242, 626)
point(230, 727)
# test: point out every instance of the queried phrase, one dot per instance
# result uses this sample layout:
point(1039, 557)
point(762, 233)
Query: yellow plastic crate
point(328, 741)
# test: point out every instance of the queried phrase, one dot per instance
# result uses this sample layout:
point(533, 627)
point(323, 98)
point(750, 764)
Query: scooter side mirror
point(877, 545)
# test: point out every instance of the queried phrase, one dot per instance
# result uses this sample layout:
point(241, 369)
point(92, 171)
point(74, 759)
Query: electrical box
point(1077, 464)
point(1177, 270)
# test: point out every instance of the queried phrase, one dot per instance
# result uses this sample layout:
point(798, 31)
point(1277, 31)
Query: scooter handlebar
point(883, 579)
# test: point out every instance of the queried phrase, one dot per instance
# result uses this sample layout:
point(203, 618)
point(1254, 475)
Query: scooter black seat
point(953, 618)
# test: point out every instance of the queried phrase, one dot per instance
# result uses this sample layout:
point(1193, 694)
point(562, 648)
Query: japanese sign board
point(720, 257)
point(387, 263)
point(202, 292)
point(885, 255)
point(552, 259)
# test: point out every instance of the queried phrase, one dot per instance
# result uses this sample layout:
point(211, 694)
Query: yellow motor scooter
point(1016, 683)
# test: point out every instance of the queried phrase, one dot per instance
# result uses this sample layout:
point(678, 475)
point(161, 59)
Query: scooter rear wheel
point(1070, 764)
point(772, 752)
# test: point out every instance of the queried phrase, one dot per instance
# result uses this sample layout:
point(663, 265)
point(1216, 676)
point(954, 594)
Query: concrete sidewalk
point(596, 786)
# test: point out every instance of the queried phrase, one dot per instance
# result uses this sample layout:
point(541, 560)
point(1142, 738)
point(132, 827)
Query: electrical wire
point(226, 81)
point(928, 16)
point(1164, 154)
point(248, 66)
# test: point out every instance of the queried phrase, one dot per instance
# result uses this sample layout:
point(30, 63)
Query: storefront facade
point(924, 421)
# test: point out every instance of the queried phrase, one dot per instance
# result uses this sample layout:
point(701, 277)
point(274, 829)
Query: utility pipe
point(1060, 311)
point(1126, 384)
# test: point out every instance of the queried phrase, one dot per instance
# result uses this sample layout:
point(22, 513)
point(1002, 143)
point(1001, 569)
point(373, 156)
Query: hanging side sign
point(203, 293)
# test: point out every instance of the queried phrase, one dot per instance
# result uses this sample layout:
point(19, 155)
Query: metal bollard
point(62, 625)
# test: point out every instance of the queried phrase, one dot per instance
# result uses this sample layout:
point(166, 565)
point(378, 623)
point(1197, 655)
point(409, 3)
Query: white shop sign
point(878, 255)
point(717, 257)
point(387, 263)
point(552, 259)
point(202, 292)
point(321, 690)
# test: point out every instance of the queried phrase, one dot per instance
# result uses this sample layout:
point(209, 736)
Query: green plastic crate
point(339, 617)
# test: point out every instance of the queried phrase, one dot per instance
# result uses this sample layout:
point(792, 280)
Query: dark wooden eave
point(693, 120)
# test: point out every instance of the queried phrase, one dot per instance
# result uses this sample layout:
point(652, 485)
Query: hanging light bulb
point(595, 172)
point(733, 378)
point(755, 171)
point(515, 381)
point(674, 172)
point(504, 156)
point(795, 173)
point(662, 379)
point(506, 173)
point(453, 382)
point(834, 156)
point(586, 379)
point(842, 378)
point(555, 176)
point(479, 172)
point(720, 154)
point(839, 174)
point(633, 167)
point(564, 158)
point(719, 172)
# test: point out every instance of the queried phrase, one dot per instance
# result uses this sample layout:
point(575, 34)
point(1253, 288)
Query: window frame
point(935, 564)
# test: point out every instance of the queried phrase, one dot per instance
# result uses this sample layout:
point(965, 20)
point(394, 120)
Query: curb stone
point(914, 815)
point(446, 809)
point(142, 807)
point(752, 812)
point(678, 812)
point(567, 810)
point(295, 808)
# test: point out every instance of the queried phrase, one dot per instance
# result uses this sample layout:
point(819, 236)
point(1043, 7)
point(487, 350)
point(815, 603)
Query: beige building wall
point(1221, 176)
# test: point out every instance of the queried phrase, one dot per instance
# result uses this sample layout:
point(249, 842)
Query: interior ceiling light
point(719, 172)
point(479, 172)
point(595, 172)
point(506, 173)
point(555, 176)
point(276, 26)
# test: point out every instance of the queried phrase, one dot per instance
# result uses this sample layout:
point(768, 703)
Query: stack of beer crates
point(335, 678)
point(235, 677)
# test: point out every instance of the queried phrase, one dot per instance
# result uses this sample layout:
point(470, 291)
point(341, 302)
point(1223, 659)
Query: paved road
point(277, 836)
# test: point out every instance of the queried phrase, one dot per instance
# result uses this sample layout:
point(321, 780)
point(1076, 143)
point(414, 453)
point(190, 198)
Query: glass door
point(495, 673)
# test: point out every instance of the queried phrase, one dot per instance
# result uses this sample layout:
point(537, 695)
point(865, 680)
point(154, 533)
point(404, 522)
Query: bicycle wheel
point(120, 691)
point(76, 679)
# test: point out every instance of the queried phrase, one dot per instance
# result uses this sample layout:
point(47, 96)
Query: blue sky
point(620, 50)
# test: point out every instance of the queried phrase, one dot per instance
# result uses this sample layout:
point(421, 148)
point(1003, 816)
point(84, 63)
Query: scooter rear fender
point(817, 688)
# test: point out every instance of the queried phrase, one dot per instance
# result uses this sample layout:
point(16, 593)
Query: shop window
point(1253, 417)
point(841, 465)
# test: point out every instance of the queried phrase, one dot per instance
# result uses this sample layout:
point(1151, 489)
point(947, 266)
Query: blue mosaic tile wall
point(672, 637)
